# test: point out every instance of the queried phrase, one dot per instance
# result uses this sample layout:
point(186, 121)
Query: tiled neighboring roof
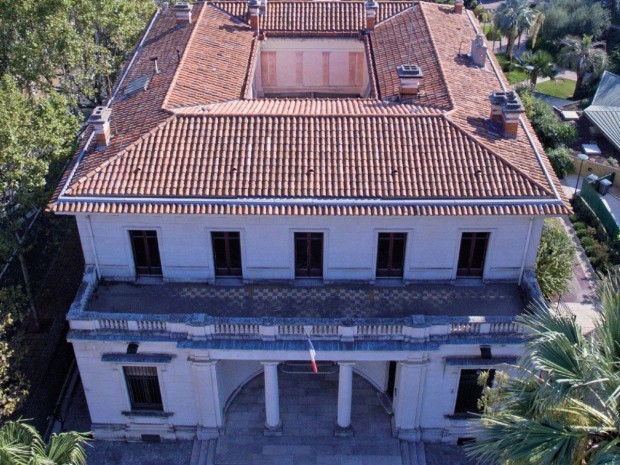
point(204, 77)
point(308, 156)
point(319, 16)
point(193, 142)
point(400, 41)
point(605, 109)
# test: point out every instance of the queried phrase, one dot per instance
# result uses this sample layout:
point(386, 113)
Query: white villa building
point(358, 174)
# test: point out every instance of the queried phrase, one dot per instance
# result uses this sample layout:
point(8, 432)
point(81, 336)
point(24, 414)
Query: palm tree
point(21, 444)
point(582, 56)
point(512, 18)
point(561, 405)
point(536, 65)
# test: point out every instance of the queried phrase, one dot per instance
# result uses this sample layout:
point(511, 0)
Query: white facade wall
point(350, 244)
point(424, 400)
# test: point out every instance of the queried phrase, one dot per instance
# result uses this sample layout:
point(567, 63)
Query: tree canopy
point(573, 17)
point(559, 406)
point(73, 45)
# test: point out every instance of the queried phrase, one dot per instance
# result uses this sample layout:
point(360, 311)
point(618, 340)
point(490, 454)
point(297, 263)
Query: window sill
point(147, 413)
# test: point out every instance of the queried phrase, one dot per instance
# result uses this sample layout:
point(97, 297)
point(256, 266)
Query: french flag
point(312, 356)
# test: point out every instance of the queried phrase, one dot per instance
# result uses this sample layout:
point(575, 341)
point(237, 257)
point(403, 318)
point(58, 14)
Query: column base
point(343, 432)
point(273, 430)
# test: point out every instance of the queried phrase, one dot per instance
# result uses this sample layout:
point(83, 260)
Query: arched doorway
point(308, 409)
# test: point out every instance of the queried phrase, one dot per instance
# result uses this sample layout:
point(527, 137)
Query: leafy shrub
point(551, 131)
point(578, 225)
point(554, 263)
point(587, 241)
point(560, 161)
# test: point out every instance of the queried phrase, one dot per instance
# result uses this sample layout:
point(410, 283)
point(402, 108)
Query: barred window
point(470, 391)
point(143, 387)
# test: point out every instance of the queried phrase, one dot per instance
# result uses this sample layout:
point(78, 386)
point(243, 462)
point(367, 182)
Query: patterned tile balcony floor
point(308, 408)
point(328, 301)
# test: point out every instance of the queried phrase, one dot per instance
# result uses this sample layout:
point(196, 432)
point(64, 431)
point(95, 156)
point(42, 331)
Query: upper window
point(143, 388)
point(391, 255)
point(472, 254)
point(226, 253)
point(146, 253)
point(309, 255)
point(470, 391)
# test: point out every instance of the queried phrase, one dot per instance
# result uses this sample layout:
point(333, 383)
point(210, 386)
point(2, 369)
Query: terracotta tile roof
point(195, 142)
point(320, 16)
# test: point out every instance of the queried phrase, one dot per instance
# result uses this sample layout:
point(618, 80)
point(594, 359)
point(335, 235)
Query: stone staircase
point(203, 452)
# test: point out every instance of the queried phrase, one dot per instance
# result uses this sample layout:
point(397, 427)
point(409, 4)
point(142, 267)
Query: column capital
point(346, 364)
point(270, 363)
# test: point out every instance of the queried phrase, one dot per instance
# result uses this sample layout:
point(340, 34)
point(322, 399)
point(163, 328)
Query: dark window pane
point(472, 254)
point(308, 255)
point(391, 255)
point(470, 391)
point(143, 388)
point(145, 252)
point(226, 253)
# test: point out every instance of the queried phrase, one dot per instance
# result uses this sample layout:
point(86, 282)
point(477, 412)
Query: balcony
point(343, 312)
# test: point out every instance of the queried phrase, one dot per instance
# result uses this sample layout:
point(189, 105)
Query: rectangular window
point(145, 253)
point(226, 253)
point(470, 391)
point(308, 255)
point(143, 388)
point(391, 255)
point(472, 254)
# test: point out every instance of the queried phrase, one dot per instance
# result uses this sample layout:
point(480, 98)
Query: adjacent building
point(354, 174)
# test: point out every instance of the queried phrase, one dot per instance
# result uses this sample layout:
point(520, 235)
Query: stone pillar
point(345, 396)
point(206, 392)
point(273, 425)
point(408, 398)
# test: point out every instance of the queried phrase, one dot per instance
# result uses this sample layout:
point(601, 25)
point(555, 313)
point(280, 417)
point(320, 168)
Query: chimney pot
point(100, 119)
point(409, 77)
point(478, 51)
point(183, 13)
point(371, 14)
point(254, 7)
point(459, 5)
point(506, 107)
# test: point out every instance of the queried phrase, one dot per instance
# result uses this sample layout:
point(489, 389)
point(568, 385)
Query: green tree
point(513, 17)
point(537, 64)
point(35, 132)
point(13, 385)
point(550, 130)
point(554, 262)
point(21, 444)
point(74, 45)
point(560, 405)
point(573, 18)
point(561, 162)
point(582, 56)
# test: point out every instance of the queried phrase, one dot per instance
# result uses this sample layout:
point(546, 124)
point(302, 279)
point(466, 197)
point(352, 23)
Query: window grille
point(143, 388)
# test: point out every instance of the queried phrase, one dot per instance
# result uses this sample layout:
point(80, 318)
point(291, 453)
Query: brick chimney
point(183, 13)
point(254, 12)
point(506, 107)
point(478, 51)
point(371, 14)
point(100, 119)
point(410, 77)
point(459, 5)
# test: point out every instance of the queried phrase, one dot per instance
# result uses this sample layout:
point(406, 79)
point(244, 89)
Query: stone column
point(273, 425)
point(408, 398)
point(345, 396)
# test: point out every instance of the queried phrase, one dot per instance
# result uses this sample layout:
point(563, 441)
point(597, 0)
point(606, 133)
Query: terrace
point(279, 311)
